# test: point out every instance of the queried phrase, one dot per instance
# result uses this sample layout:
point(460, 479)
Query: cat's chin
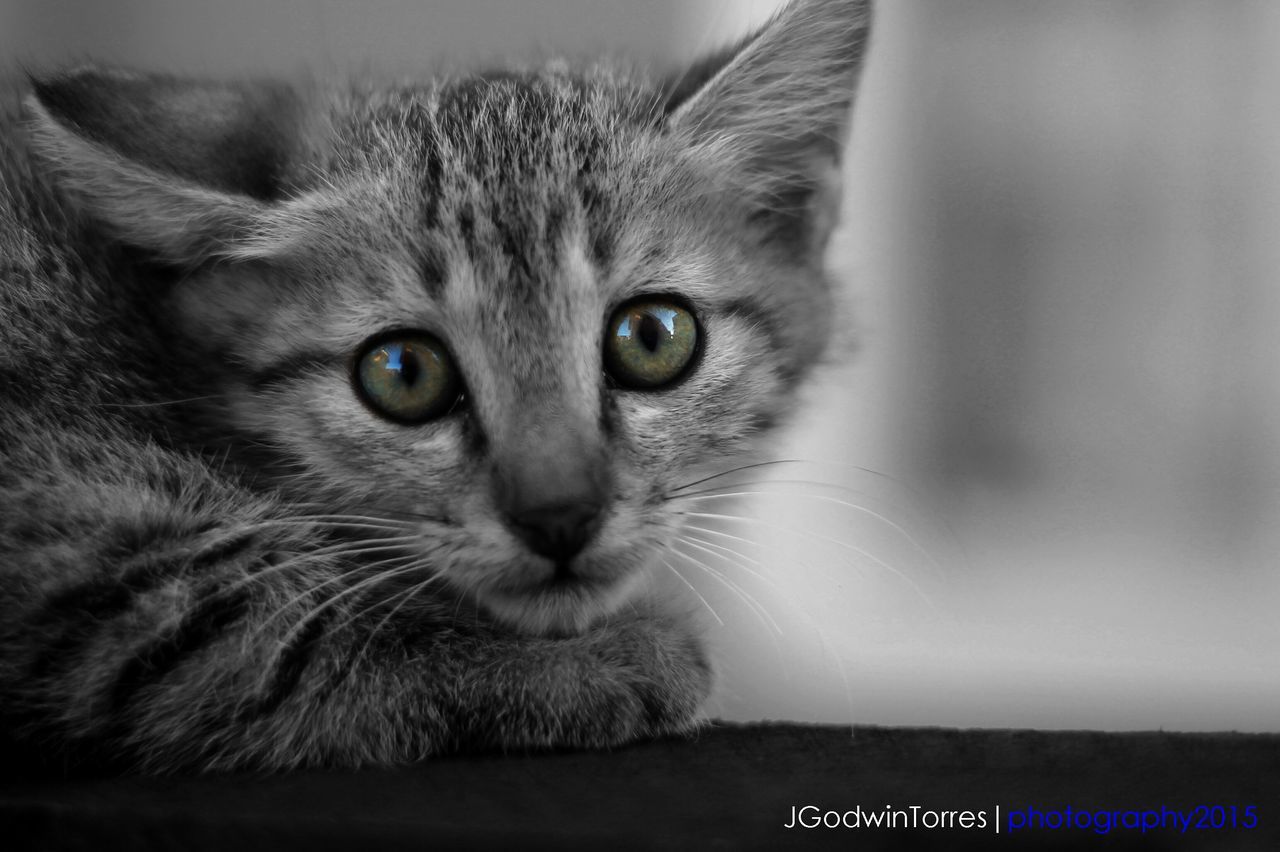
point(560, 607)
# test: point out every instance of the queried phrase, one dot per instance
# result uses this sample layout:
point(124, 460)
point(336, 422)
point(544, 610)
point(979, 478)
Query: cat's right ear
point(190, 171)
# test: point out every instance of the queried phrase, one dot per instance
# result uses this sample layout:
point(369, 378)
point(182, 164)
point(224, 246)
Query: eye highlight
point(407, 377)
point(650, 342)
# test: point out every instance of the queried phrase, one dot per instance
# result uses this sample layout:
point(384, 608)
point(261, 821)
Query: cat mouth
point(561, 603)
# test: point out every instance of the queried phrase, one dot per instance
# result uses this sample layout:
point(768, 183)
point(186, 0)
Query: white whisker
point(817, 537)
point(368, 582)
point(709, 607)
point(754, 605)
point(313, 589)
point(157, 404)
point(332, 524)
point(405, 596)
point(704, 544)
point(823, 498)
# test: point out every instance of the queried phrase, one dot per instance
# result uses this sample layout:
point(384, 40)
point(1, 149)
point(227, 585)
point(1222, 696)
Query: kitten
point(340, 425)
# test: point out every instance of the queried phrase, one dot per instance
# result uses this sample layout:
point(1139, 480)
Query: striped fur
point(213, 556)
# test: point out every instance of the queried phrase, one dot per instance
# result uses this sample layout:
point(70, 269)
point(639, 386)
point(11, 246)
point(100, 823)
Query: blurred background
point(1042, 478)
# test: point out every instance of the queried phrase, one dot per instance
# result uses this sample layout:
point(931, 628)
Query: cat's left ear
point(189, 170)
point(771, 115)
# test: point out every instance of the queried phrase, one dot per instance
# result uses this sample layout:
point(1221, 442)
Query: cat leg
point(158, 615)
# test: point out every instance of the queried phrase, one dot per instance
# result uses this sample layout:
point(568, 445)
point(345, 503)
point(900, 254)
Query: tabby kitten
point(340, 425)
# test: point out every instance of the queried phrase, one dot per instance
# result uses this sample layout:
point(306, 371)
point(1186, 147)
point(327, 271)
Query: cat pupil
point(405, 364)
point(650, 332)
point(410, 370)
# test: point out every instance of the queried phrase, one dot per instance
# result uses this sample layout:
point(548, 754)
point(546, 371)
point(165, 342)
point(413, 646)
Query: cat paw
point(651, 678)
point(625, 679)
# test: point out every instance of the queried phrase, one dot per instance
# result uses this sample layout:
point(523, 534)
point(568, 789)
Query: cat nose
point(560, 531)
point(554, 501)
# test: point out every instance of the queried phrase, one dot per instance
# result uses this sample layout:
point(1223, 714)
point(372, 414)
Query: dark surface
point(732, 787)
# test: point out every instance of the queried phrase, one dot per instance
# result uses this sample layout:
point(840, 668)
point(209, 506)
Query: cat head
point(506, 313)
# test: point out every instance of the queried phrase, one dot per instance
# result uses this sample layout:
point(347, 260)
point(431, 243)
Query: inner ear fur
point(187, 169)
point(770, 115)
point(236, 138)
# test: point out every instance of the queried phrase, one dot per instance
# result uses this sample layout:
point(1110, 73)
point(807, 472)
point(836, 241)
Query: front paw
point(655, 667)
point(625, 679)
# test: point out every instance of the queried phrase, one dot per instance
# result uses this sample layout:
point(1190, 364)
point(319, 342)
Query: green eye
point(408, 377)
point(649, 343)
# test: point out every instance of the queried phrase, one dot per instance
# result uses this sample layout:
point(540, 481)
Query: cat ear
point(771, 114)
point(187, 170)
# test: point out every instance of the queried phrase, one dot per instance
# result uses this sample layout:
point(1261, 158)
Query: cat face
point(509, 312)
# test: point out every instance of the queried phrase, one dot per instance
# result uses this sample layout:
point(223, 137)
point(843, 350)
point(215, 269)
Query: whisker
point(807, 483)
point(685, 533)
point(371, 533)
point(813, 622)
point(913, 501)
point(338, 521)
point(359, 548)
point(709, 607)
point(318, 557)
point(337, 550)
point(825, 499)
point(315, 557)
point(780, 462)
point(383, 513)
point(158, 404)
point(468, 588)
point(753, 605)
point(817, 537)
point(733, 470)
point(269, 572)
point(405, 596)
point(337, 578)
point(844, 674)
point(705, 544)
point(371, 581)
point(722, 533)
